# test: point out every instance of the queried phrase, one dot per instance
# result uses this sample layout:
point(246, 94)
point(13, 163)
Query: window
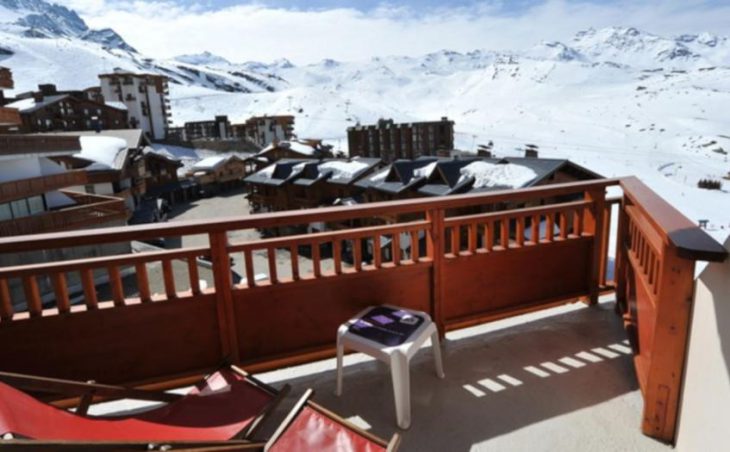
point(89, 188)
point(36, 205)
point(5, 212)
point(20, 208)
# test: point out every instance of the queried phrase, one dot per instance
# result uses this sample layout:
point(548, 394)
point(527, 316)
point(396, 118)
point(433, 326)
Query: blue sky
point(307, 31)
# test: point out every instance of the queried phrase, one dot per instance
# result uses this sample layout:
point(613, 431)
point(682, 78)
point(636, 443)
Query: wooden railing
point(464, 259)
point(9, 117)
point(656, 252)
point(25, 188)
point(18, 144)
point(89, 211)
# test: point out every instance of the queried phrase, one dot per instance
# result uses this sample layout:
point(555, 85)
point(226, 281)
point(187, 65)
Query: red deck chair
point(311, 427)
point(229, 404)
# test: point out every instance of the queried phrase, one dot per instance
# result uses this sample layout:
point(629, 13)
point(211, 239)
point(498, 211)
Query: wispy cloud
point(165, 28)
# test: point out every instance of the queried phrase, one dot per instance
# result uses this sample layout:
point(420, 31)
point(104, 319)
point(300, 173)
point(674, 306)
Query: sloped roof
point(105, 153)
point(433, 176)
point(278, 173)
point(29, 104)
point(135, 138)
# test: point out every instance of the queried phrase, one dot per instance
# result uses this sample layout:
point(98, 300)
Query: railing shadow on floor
point(496, 382)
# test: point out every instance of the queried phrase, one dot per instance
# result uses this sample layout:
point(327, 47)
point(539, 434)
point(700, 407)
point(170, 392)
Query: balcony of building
point(88, 211)
point(535, 359)
point(9, 117)
point(24, 188)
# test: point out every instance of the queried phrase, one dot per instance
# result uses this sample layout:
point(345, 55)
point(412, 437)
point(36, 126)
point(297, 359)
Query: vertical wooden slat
point(193, 275)
point(395, 245)
point(224, 294)
point(271, 257)
point(578, 223)
point(115, 282)
point(437, 230)
point(377, 252)
point(415, 245)
point(454, 239)
point(563, 216)
point(594, 224)
point(143, 282)
point(316, 264)
point(549, 227)
point(32, 296)
point(6, 303)
point(604, 245)
point(337, 256)
point(357, 253)
point(504, 233)
point(472, 242)
point(87, 281)
point(489, 234)
point(60, 289)
point(169, 278)
point(294, 257)
point(535, 226)
point(520, 232)
point(248, 261)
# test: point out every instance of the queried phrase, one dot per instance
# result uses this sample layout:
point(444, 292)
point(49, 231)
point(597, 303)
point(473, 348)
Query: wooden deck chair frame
point(390, 446)
point(87, 391)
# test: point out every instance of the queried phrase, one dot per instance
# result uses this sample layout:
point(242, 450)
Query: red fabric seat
point(218, 408)
point(311, 430)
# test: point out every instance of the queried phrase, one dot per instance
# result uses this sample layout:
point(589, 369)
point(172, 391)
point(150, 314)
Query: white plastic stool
point(398, 356)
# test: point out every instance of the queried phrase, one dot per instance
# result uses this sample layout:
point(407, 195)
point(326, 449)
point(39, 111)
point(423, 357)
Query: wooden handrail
point(295, 217)
point(690, 241)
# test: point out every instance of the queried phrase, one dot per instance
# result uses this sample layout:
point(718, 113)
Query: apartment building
point(217, 129)
point(389, 141)
point(145, 97)
point(263, 130)
point(49, 109)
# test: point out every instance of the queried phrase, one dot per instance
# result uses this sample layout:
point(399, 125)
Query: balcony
point(25, 188)
point(481, 259)
point(89, 211)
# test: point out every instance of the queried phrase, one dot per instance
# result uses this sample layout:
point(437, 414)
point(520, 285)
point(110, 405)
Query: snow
point(424, 171)
point(618, 101)
point(189, 157)
point(209, 163)
point(22, 105)
point(106, 152)
point(342, 170)
point(497, 175)
point(117, 105)
point(301, 148)
point(380, 176)
point(267, 172)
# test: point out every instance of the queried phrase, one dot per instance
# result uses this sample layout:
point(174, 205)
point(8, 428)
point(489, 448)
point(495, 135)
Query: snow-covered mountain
point(39, 19)
point(619, 100)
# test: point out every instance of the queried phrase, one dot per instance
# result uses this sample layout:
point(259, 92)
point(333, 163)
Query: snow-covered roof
point(296, 146)
point(29, 104)
point(117, 105)
point(342, 170)
point(210, 163)
point(487, 174)
point(133, 137)
point(106, 153)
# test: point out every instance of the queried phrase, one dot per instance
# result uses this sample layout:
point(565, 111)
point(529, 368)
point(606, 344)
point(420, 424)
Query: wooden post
point(669, 346)
point(619, 271)
point(224, 295)
point(593, 223)
point(436, 218)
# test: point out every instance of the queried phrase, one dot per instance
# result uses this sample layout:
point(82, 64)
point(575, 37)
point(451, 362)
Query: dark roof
point(307, 172)
point(278, 173)
point(446, 177)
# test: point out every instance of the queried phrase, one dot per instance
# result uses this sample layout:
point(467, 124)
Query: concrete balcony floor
point(559, 379)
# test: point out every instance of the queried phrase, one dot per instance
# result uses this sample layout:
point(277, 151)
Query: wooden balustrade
point(25, 188)
point(465, 259)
